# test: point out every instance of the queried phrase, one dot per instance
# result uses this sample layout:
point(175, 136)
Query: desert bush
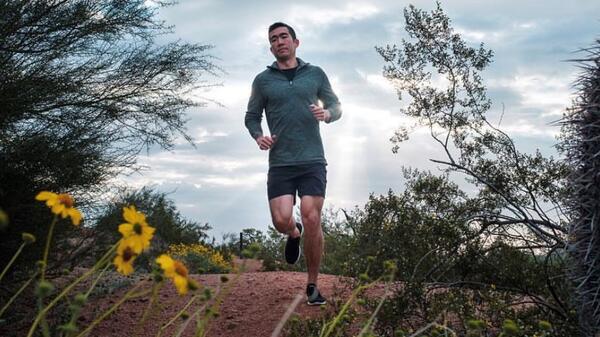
point(421, 228)
point(200, 258)
point(171, 226)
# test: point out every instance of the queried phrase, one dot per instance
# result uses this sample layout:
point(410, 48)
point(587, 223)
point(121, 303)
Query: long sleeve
point(256, 105)
point(329, 99)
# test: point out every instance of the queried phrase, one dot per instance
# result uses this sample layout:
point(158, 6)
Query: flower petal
point(45, 195)
point(123, 267)
point(167, 264)
point(129, 214)
point(149, 231)
point(181, 283)
point(58, 208)
point(136, 244)
point(126, 229)
point(165, 261)
point(75, 216)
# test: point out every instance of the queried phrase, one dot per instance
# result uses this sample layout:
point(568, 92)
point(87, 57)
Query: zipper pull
point(291, 82)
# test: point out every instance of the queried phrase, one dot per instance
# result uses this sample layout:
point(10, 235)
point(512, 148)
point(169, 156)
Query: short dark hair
point(281, 24)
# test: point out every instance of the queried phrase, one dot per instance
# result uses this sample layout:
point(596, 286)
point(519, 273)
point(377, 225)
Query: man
point(289, 91)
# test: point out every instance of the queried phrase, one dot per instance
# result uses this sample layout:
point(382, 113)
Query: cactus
point(581, 144)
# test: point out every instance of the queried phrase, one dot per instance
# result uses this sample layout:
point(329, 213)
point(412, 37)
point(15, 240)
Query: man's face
point(283, 46)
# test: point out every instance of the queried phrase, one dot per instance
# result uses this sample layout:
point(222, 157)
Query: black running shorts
point(307, 179)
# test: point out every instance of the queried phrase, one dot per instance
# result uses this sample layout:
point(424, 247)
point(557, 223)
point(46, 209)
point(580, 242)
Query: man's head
point(281, 24)
point(283, 41)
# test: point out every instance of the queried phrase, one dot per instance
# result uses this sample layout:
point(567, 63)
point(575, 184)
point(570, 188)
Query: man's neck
point(287, 64)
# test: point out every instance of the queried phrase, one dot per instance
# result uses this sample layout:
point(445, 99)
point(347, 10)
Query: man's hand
point(320, 113)
point(265, 142)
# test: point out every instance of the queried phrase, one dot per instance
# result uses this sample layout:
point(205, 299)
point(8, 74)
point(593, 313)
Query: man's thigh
point(310, 209)
point(282, 208)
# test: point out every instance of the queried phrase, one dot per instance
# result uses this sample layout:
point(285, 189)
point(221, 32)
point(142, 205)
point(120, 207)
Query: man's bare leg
point(310, 208)
point(282, 208)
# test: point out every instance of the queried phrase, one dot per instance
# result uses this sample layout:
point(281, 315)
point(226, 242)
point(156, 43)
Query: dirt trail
point(254, 305)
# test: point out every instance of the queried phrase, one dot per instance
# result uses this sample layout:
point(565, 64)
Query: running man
point(289, 91)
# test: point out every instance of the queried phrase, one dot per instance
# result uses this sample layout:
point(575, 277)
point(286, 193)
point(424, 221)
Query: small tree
point(523, 193)
point(84, 87)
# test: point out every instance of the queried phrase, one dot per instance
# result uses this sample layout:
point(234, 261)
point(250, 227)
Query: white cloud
point(478, 36)
point(243, 180)
point(158, 176)
point(203, 135)
point(231, 94)
point(371, 121)
point(526, 25)
point(306, 16)
point(548, 93)
point(377, 81)
point(507, 33)
point(525, 128)
point(192, 161)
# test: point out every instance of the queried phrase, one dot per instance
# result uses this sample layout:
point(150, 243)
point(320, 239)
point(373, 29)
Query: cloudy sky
point(223, 180)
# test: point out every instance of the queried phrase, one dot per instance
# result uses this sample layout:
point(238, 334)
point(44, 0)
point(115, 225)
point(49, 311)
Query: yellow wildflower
point(176, 271)
point(214, 257)
point(61, 204)
point(136, 229)
point(125, 257)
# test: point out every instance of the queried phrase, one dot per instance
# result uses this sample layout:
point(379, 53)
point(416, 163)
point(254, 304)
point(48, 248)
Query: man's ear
point(297, 42)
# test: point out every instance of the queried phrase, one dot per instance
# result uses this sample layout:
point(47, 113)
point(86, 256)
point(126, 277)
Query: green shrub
point(201, 258)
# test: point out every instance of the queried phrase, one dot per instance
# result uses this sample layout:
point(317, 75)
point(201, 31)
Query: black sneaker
point(292, 247)
point(314, 296)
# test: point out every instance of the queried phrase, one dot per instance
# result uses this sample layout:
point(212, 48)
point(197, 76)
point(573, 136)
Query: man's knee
point(311, 219)
point(281, 212)
point(280, 220)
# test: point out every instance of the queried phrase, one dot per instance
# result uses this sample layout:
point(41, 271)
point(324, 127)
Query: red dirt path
point(254, 305)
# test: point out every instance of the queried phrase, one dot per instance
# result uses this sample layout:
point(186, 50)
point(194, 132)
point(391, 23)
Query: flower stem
point(202, 324)
point(330, 327)
point(97, 279)
point(44, 324)
point(368, 325)
point(42, 313)
point(161, 330)
point(12, 260)
point(127, 296)
point(48, 240)
point(183, 326)
point(42, 320)
point(17, 294)
point(150, 308)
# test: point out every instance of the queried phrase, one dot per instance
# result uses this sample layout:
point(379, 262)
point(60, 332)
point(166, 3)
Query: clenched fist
point(320, 113)
point(265, 142)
